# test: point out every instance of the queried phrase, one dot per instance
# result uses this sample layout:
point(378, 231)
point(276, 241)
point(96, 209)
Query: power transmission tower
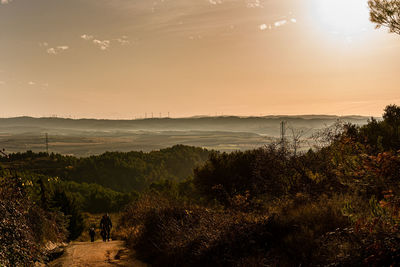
point(47, 143)
point(283, 132)
point(2, 152)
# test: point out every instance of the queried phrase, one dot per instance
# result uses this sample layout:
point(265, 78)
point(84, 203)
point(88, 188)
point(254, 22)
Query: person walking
point(92, 233)
point(106, 225)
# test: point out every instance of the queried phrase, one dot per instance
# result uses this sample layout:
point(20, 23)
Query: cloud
point(31, 83)
point(215, 2)
point(280, 23)
point(2, 82)
point(87, 37)
point(51, 51)
point(253, 3)
point(198, 37)
point(276, 24)
point(63, 47)
point(57, 50)
point(103, 45)
point(3, 2)
point(123, 40)
point(106, 44)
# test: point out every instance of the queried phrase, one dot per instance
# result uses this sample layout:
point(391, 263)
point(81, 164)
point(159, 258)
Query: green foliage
point(137, 170)
point(225, 175)
point(380, 136)
point(94, 198)
point(123, 172)
point(69, 206)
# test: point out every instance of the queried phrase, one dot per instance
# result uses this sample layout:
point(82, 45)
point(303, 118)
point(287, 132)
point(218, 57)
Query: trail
point(99, 254)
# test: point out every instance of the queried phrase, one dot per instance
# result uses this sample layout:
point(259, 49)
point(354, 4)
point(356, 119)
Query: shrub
point(25, 227)
point(165, 232)
point(17, 246)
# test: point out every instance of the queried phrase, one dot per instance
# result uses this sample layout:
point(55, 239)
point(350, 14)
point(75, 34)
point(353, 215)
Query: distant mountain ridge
point(85, 137)
point(219, 123)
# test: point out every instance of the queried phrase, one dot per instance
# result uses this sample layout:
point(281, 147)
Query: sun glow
point(342, 17)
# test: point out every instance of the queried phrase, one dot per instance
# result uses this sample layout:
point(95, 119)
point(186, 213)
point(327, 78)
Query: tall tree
point(385, 13)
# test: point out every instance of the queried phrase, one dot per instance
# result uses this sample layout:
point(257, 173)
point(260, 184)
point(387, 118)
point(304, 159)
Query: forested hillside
point(120, 171)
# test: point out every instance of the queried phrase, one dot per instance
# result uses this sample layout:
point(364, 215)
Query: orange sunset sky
point(124, 58)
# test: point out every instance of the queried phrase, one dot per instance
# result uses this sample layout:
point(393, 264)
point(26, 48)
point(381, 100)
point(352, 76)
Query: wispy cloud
point(123, 40)
point(2, 82)
point(280, 23)
point(276, 24)
point(87, 37)
point(31, 83)
point(102, 44)
point(197, 37)
point(57, 50)
point(105, 44)
point(253, 3)
point(53, 50)
point(215, 2)
point(249, 3)
point(264, 27)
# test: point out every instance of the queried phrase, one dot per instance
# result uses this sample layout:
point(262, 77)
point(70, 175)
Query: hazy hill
point(91, 136)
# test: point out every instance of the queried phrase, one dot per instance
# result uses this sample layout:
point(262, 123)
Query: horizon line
point(187, 117)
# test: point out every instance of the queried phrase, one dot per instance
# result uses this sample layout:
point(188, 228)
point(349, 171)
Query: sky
point(127, 59)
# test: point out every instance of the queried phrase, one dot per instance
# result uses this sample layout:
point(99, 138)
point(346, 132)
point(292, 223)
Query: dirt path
point(99, 254)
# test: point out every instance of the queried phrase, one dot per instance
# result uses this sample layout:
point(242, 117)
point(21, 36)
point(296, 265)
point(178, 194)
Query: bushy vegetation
point(95, 198)
point(26, 225)
point(337, 204)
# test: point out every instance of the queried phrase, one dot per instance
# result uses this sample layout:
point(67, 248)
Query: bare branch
point(385, 13)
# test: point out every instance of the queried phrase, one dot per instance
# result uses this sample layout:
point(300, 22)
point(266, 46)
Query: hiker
point(103, 235)
point(92, 233)
point(106, 225)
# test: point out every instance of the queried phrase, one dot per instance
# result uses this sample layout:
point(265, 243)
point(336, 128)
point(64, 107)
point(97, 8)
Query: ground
point(99, 254)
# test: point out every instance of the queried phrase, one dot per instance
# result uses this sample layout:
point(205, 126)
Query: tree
point(392, 115)
point(385, 13)
point(297, 138)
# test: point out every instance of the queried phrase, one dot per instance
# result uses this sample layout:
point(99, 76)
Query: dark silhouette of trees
point(380, 136)
point(385, 13)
